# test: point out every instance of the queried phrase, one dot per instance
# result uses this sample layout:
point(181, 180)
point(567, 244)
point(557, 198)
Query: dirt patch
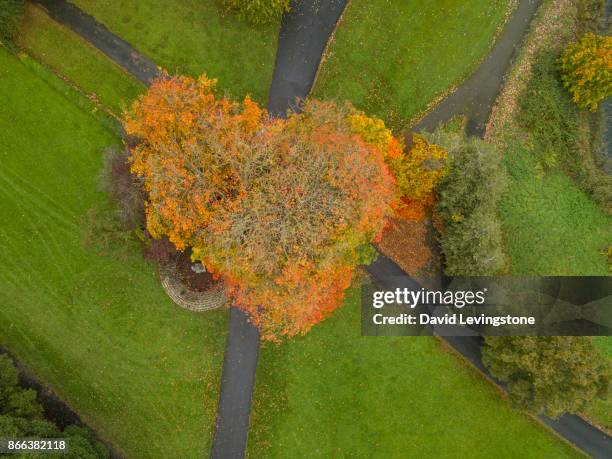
point(191, 274)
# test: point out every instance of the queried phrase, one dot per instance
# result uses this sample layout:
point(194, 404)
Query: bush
point(417, 173)
point(470, 236)
point(586, 70)
point(15, 401)
point(258, 11)
point(11, 12)
point(561, 132)
point(124, 188)
point(552, 375)
point(589, 14)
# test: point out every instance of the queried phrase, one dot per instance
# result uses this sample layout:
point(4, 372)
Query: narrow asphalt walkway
point(237, 383)
point(304, 33)
point(476, 95)
point(302, 39)
point(120, 51)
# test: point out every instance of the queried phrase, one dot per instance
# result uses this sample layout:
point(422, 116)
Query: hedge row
point(468, 199)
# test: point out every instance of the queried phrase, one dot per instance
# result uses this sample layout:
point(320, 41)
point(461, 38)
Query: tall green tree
point(15, 401)
point(550, 375)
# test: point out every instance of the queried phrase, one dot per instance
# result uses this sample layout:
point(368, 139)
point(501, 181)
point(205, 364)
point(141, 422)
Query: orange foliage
point(282, 210)
point(417, 173)
point(586, 70)
point(415, 209)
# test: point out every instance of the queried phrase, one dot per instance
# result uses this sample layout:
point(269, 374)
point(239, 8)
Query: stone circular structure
point(184, 296)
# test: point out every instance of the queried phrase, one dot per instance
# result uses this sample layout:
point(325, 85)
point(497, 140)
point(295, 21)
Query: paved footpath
point(237, 383)
point(476, 95)
point(120, 51)
point(303, 36)
point(304, 33)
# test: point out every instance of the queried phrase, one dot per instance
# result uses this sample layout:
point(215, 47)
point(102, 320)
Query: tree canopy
point(283, 210)
point(586, 70)
point(553, 374)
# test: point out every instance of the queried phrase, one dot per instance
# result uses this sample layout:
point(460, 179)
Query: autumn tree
point(282, 210)
point(586, 70)
point(550, 375)
point(417, 171)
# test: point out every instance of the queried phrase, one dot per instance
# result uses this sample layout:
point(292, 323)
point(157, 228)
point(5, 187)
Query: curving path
point(476, 95)
point(304, 33)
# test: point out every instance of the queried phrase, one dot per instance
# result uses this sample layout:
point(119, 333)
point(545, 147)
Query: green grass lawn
point(141, 371)
point(551, 227)
point(69, 55)
point(392, 58)
point(193, 37)
point(334, 393)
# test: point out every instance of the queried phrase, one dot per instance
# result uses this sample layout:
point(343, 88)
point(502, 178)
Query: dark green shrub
point(11, 12)
point(558, 129)
point(471, 236)
point(551, 375)
point(258, 11)
point(589, 14)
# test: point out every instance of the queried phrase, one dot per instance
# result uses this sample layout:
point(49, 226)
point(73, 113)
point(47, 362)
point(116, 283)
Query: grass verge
point(194, 37)
point(98, 329)
point(392, 58)
point(551, 227)
point(70, 56)
point(334, 393)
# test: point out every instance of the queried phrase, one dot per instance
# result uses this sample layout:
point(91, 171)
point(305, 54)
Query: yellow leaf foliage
point(586, 69)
